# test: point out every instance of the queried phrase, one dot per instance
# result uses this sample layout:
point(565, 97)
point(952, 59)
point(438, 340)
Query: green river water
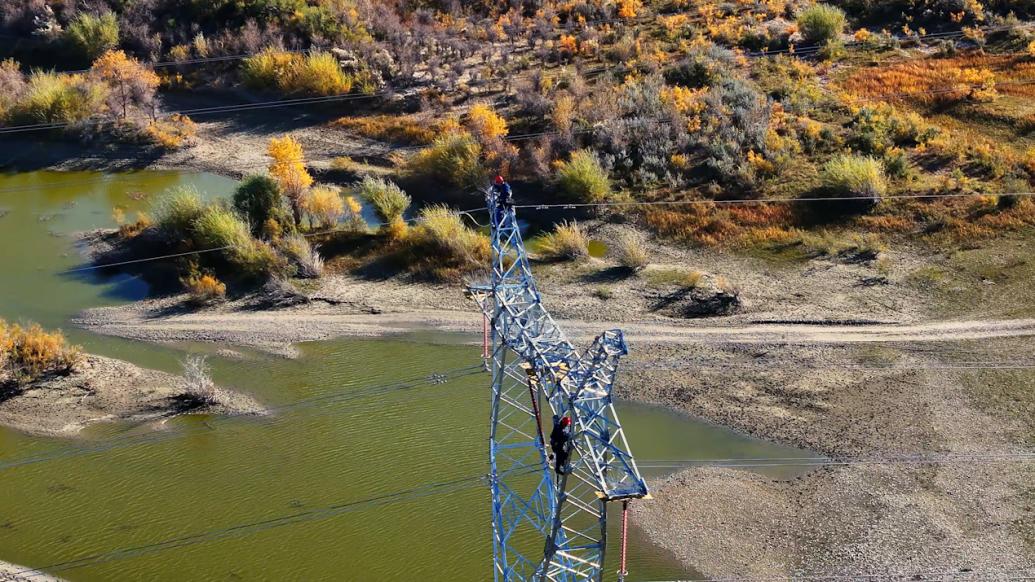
point(216, 476)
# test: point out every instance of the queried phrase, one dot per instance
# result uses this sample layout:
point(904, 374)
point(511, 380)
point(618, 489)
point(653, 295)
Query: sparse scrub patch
point(405, 129)
point(679, 277)
point(567, 242)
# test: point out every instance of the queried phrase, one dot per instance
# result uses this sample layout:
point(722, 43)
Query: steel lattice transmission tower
point(544, 526)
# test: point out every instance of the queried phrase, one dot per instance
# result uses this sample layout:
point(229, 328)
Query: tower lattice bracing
point(545, 526)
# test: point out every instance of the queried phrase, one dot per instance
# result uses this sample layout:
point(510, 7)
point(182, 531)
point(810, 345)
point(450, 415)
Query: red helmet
point(499, 180)
point(565, 421)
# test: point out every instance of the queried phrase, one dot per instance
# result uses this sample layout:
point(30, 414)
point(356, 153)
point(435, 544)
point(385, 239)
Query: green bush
point(821, 23)
point(388, 199)
point(90, 36)
point(259, 200)
point(453, 158)
point(853, 176)
point(582, 178)
point(219, 227)
point(54, 98)
point(176, 212)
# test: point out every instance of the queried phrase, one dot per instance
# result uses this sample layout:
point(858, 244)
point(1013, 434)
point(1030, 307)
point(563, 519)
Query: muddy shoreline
point(103, 389)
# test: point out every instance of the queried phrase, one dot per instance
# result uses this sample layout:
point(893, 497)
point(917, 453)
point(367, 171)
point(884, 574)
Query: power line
point(245, 529)
point(322, 401)
point(904, 459)
point(834, 367)
point(961, 573)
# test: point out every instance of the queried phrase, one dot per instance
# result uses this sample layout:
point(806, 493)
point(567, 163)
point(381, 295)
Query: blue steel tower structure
point(547, 526)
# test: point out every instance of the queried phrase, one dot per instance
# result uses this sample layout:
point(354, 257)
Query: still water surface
point(217, 475)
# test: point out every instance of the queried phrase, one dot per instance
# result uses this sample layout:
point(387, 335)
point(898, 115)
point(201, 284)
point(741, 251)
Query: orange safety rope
point(622, 571)
point(485, 337)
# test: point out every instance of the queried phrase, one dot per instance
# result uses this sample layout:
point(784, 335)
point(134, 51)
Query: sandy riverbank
point(103, 389)
point(13, 573)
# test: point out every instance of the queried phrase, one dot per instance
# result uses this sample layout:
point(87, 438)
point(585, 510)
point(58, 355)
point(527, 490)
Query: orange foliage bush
point(29, 353)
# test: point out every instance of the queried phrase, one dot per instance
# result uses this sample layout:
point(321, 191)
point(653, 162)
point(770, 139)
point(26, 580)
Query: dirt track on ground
point(276, 330)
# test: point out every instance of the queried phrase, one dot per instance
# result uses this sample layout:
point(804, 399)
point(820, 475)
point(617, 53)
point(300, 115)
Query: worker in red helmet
point(560, 442)
point(504, 196)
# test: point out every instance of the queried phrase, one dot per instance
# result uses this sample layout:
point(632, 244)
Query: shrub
point(55, 98)
point(443, 248)
point(582, 177)
point(630, 253)
point(90, 36)
point(317, 73)
point(853, 176)
point(258, 199)
point(567, 242)
point(821, 23)
point(198, 388)
point(307, 261)
point(389, 201)
point(29, 353)
point(175, 212)
point(219, 227)
point(323, 206)
point(205, 289)
point(172, 133)
point(258, 260)
point(453, 158)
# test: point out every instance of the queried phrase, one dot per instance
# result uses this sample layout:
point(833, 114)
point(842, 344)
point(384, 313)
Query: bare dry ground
point(103, 389)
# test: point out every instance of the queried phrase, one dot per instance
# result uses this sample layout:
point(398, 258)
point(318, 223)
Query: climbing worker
point(504, 195)
point(560, 441)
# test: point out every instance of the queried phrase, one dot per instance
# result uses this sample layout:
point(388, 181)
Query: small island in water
point(50, 387)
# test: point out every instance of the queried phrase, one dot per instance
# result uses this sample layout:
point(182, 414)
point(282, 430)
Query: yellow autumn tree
point(131, 83)
point(288, 169)
point(485, 123)
point(628, 9)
